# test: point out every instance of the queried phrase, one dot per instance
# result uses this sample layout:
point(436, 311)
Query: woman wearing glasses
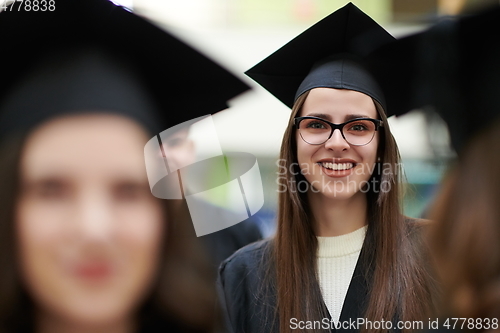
point(344, 256)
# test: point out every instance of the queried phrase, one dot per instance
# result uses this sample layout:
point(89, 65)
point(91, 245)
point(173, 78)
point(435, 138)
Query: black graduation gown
point(223, 243)
point(249, 308)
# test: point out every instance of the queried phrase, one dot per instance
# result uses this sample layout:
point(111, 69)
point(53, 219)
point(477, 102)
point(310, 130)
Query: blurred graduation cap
point(453, 67)
point(330, 54)
point(93, 55)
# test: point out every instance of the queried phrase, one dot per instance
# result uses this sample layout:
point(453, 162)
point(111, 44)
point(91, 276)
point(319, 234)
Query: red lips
point(94, 271)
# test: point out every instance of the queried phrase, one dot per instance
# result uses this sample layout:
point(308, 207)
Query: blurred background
point(240, 33)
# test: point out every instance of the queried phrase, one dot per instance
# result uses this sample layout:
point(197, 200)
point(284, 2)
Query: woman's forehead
point(85, 143)
point(334, 103)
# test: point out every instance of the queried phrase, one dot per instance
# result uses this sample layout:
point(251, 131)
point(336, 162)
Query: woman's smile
point(337, 168)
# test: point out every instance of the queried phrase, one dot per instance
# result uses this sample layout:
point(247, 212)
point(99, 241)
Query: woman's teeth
point(337, 166)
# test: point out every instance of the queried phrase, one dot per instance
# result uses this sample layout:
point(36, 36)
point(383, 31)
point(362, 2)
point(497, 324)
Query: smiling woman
point(343, 251)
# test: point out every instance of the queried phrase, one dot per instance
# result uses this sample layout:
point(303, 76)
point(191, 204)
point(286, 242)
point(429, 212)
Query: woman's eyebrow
point(354, 116)
point(325, 116)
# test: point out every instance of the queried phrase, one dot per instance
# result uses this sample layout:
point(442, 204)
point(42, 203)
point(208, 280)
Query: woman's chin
point(93, 308)
point(336, 190)
point(95, 316)
point(334, 194)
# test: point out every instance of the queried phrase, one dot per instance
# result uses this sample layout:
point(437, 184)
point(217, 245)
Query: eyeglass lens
point(357, 132)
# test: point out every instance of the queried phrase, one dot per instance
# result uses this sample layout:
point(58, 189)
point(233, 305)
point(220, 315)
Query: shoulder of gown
point(245, 293)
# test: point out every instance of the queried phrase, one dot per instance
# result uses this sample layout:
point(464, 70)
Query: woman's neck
point(47, 323)
point(333, 217)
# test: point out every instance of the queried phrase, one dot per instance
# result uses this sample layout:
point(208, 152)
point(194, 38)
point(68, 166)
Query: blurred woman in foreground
point(85, 247)
point(460, 77)
point(465, 239)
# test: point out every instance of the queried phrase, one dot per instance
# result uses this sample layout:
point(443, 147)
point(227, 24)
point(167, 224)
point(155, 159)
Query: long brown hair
point(464, 237)
point(399, 286)
point(181, 298)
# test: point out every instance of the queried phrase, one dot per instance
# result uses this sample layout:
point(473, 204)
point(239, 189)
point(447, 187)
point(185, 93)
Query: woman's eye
point(51, 189)
point(358, 127)
point(316, 125)
point(128, 191)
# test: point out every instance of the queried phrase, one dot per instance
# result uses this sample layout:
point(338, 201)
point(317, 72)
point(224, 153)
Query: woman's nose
point(94, 217)
point(337, 141)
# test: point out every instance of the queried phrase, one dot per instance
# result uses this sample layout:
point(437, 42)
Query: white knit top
point(337, 258)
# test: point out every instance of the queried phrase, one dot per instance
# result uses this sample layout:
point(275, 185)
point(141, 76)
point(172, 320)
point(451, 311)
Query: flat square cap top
point(331, 54)
point(179, 81)
point(453, 66)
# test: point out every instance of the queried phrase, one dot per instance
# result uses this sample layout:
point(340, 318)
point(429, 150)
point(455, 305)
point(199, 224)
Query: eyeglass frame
point(378, 123)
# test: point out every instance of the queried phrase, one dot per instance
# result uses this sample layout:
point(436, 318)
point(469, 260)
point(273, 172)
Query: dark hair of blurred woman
point(465, 236)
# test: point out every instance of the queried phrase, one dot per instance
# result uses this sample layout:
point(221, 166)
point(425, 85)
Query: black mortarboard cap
point(93, 55)
point(453, 67)
point(330, 54)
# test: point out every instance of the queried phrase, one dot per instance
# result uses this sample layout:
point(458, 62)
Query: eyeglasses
point(357, 132)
